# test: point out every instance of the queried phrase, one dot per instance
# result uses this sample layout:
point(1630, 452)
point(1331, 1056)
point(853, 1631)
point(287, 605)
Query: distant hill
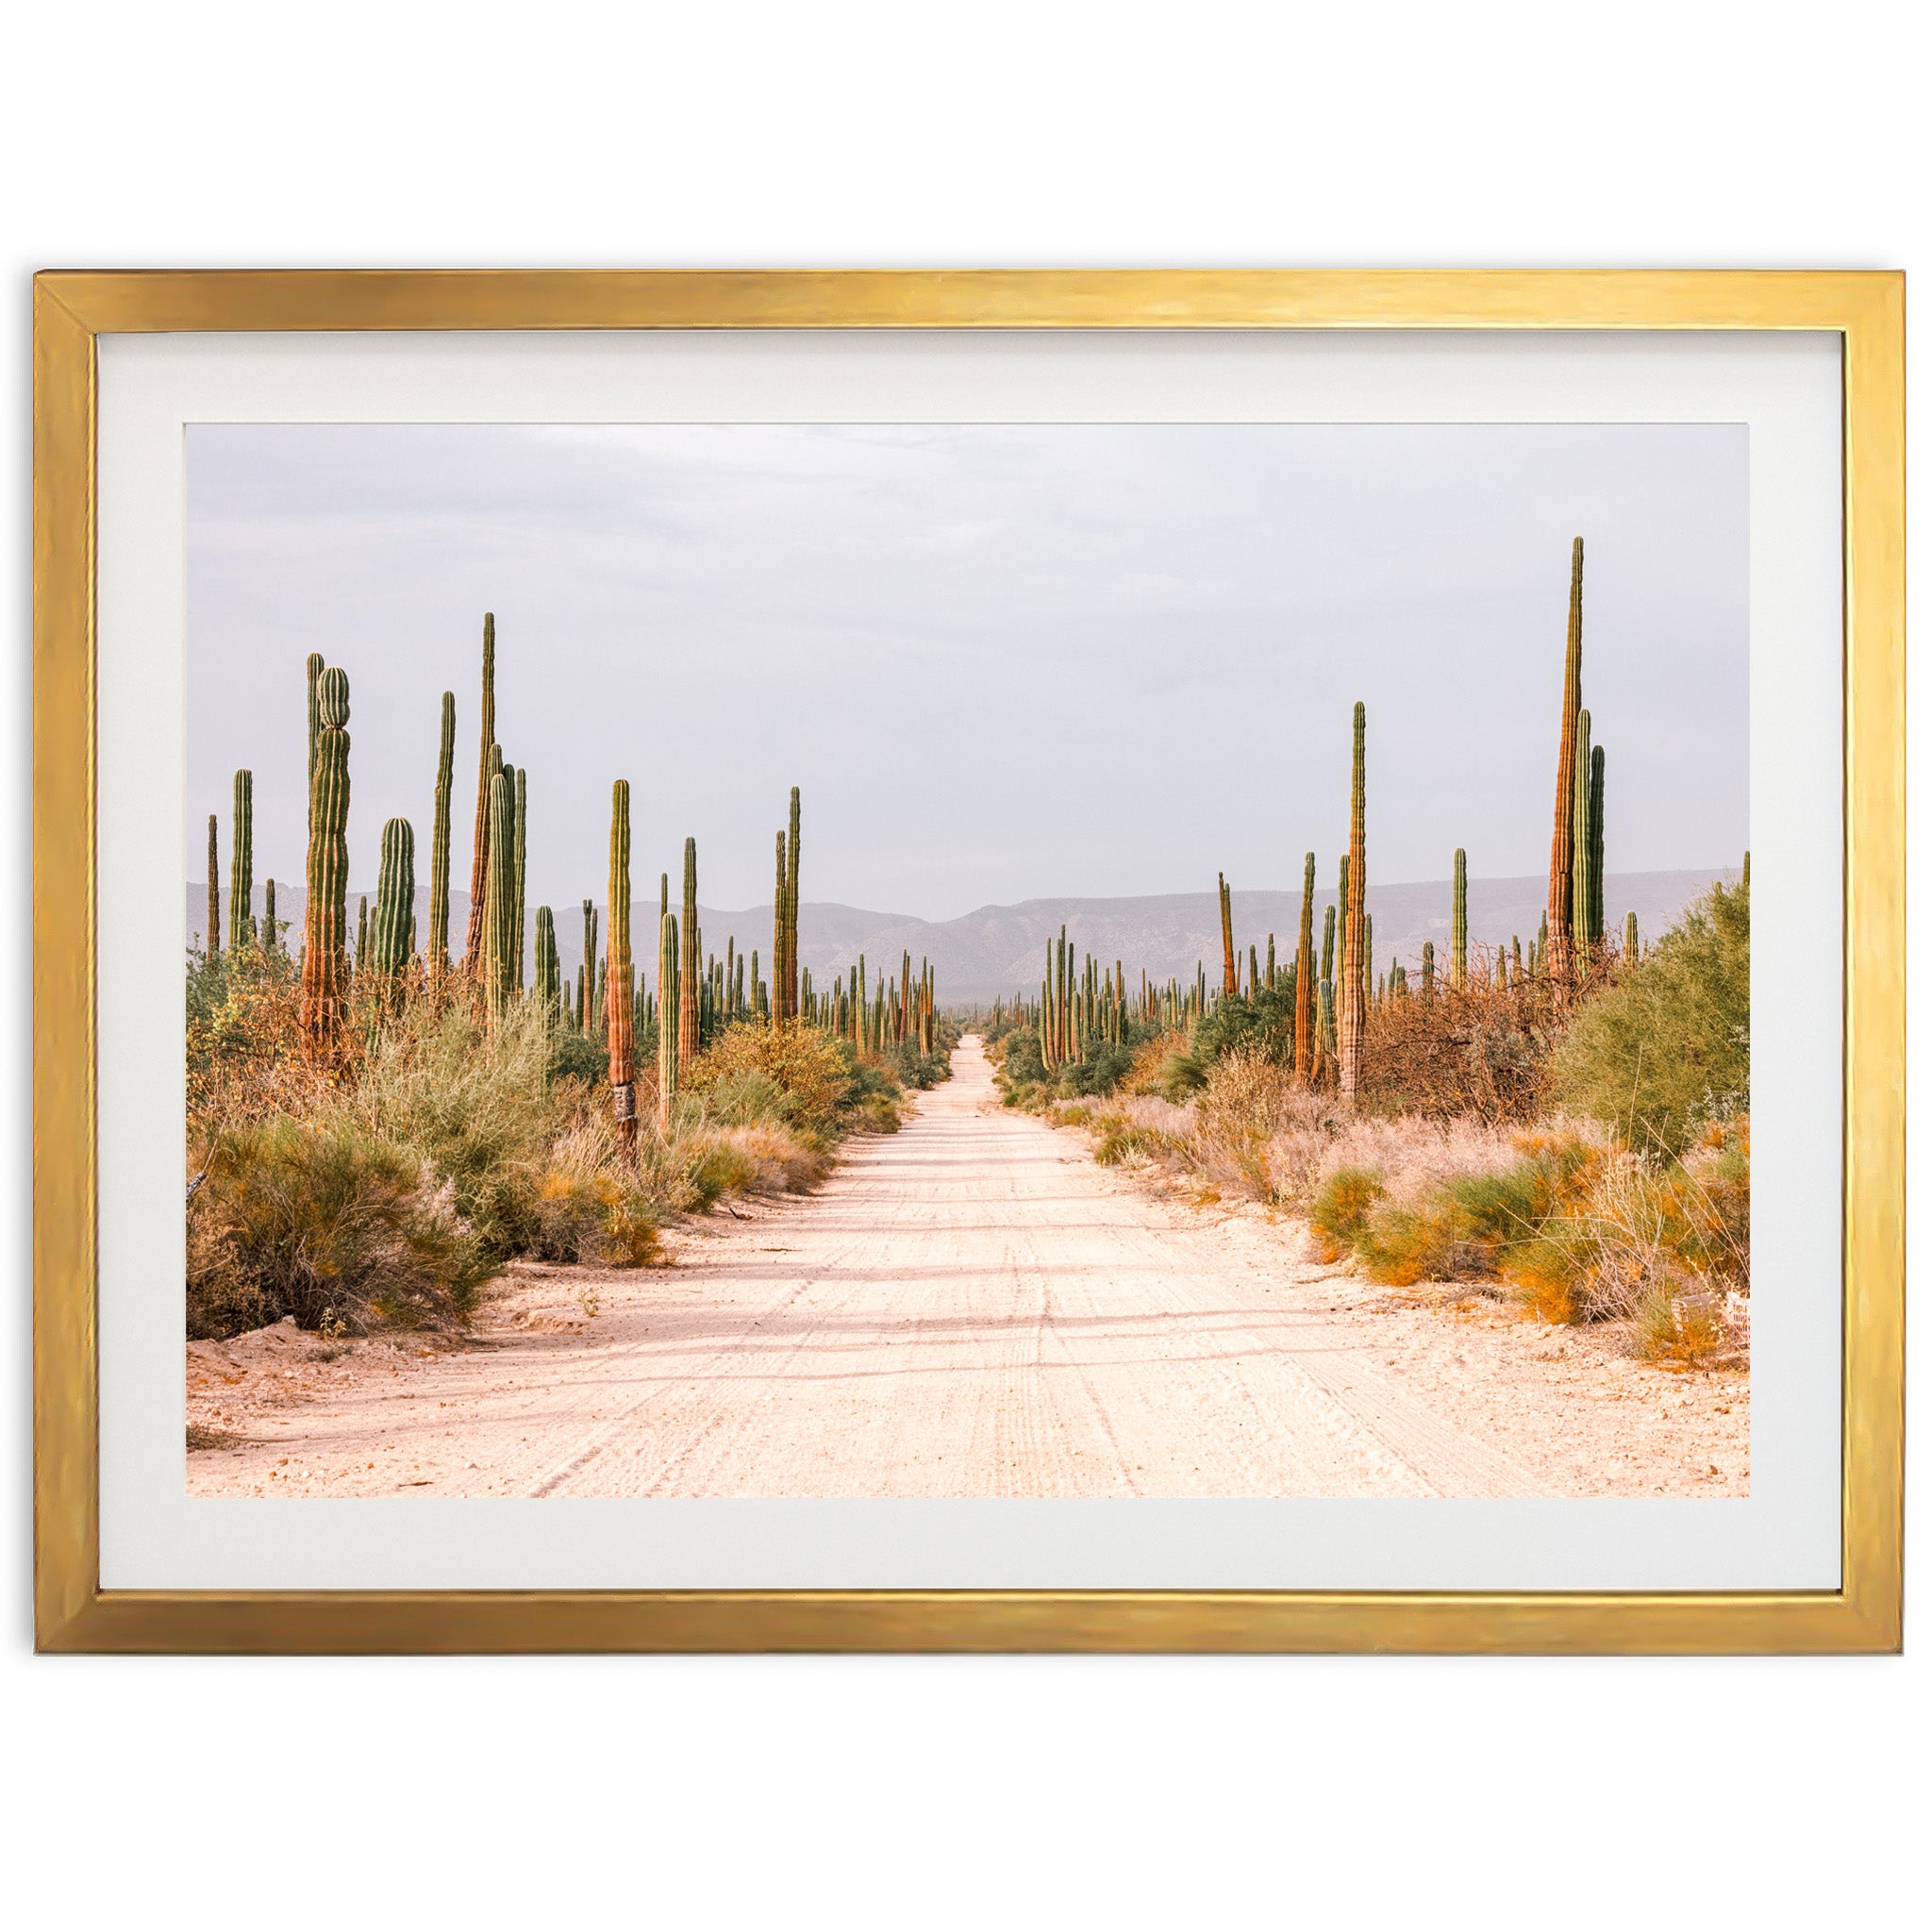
point(1000, 949)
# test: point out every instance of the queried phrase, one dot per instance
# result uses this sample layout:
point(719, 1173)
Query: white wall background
point(1357, 1792)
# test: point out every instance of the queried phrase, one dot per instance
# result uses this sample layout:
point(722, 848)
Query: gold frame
point(73, 1612)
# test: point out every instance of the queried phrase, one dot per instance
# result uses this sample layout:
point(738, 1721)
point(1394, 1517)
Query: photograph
point(1097, 961)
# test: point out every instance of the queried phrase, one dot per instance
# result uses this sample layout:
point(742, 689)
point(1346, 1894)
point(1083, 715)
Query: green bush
point(1665, 1049)
point(1342, 1204)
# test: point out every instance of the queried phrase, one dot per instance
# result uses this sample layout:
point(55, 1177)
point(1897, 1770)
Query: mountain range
point(1002, 949)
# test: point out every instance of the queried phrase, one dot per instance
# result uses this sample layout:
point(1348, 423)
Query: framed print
point(968, 961)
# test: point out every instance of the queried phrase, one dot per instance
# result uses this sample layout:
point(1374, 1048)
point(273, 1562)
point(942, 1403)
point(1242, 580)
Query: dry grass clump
point(798, 1070)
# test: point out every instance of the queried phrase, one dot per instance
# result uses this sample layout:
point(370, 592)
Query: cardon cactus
point(587, 975)
point(517, 885)
point(396, 898)
point(1579, 838)
point(325, 929)
point(1458, 923)
point(779, 924)
point(270, 933)
point(791, 912)
point(1563, 836)
point(1595, 895)
point(1630, 953)
point(549, 971)
point(499, 907)
point(213, 935)
point(669, 1006)
point(617, 973)
point(1305, 979)
point(313, 668)
point(1230, 982)
point(438, 842)
point(689, 965)
point(1428, 969)
point(1348, 1025)
point(241, 863)
point(362, 932)
point(489, 760)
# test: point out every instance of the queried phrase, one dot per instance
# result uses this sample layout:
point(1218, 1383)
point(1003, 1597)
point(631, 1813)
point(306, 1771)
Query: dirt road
point(969, 1308)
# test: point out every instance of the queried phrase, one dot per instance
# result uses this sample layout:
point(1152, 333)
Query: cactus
point(1579, 836)
point(778, 935)
point(1230, 979)
point(1563, 836)
point(241, 863)
point(488, 760)
point(1458, 924)
point(213, 935)
point(1305, 979)
point(1327, 944)
point(312, 667)
point(670, 1009)
point(690, 960)
point(361, 932)
point(1348, 1040)
point(516, 946)
point(1368, 953)
point(269, 933)
point(328, 868)
point(791, 968)
point(396, 898)
point(438, 842)
point(1428, 969)
point(549, 973)
point(617, 972)
point(1630, 953)
point(499, 912)
point(1596, 845)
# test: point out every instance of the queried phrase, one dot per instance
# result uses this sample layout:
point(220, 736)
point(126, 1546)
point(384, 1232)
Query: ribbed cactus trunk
point(1354, 966)
point(779, 927)
point(588, 974)
point(688, 963)
point(269, 932)
point(1458, 924)
point(792, 964)
point(1230, 979)
point(1563, 836)
point(361, 933)
point(328, 869)
point(617, 973)
point(670, 1003)
point(488, 760)
point(499, 888)
point(1594, 898)
point(1305, 979)
point(1579, 846)
point(517, 890)
point(1630, 954)
point(549, 969)
point(396, 899)
point(241, 863)
point(213, 935)
point(313, 668)
point(1428, 969)
point(438, 842)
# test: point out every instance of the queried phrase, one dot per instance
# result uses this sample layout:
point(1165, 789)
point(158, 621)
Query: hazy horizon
point(1003, 662)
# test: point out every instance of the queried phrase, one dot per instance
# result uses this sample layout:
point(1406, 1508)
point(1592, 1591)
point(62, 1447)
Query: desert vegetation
point(1565, 1123)
point(376, 1127)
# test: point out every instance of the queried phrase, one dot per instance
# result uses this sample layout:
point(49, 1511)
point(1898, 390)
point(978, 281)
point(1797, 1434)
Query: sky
point(1001, 662)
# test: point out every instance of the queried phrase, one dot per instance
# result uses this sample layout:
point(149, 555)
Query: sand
point(969, 1308)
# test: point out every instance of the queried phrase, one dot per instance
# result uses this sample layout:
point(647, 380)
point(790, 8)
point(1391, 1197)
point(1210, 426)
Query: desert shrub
point(586, 1057)
point(1664, 1048)
point(1258, 1023)
point(1342, 1205)
point(325, 1220)
point(1399, 1243)
point(592, 1204)
point(1181, 1073)
point(1019, 1061)
point(1150, 1058)
point(814, 1072)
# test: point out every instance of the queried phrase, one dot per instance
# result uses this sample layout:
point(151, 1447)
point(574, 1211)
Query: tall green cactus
point(1329, 944)
point(1355, 959)
point(780, 925)
point(438, 842)
point(1563, 836)
point(270, 934)
point(328, 868)
point(792, 966)
point(588, 972)
point(1596, 845)
point(1305, 979)
point(396, 898)
point(241, 863)
point(1230, 978)
point(517, 888)
point(549, 970)
point(617, 971)
point(1630, 952)
point(361, 932)
point(1428, 969)
point(689, 963)
point(313, 668)
point(670, 1008)
point(1579, 835)
point(499, 888)
point(213, 935)
point(489, 760)
point(1458, 924)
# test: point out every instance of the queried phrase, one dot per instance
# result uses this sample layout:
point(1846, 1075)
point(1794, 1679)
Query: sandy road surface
point(968, 1308)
